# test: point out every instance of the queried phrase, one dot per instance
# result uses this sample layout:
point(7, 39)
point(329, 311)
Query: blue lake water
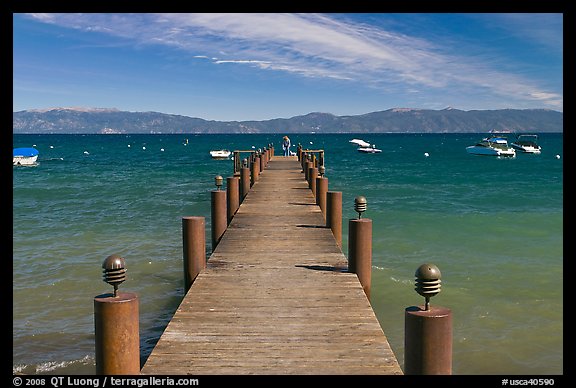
point(494, 227)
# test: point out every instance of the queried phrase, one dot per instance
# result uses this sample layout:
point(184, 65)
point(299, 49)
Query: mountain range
point(396, 120)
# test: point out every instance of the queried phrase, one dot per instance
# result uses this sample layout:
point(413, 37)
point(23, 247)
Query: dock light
point(428, 282)
point(321, 171)
point(114, 268)
point(360, 205)
point(218, 181)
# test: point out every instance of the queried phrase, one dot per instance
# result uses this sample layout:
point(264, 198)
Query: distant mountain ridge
point(77, 120)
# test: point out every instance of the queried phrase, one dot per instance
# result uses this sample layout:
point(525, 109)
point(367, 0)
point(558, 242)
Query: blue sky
point(260, 66)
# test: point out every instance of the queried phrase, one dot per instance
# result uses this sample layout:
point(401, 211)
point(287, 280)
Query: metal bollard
point(116, 324)
point(218, 218)
point(244, 182)
point(321, 190)
point(262, 162)
point(428, 330)
point(312, 175)
point(232, 197)
point(334, 214)
point(255, 170)
point(194, 248)
point(360, 246)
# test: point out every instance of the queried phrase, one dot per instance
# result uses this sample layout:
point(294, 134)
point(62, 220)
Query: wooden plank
point(275, 297)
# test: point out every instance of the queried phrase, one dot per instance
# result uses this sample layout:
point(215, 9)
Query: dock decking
point(275, 296)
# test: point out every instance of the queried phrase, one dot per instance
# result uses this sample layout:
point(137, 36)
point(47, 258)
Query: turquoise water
point(494, 227)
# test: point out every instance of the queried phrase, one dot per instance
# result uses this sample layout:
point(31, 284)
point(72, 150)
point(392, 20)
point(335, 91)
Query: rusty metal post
point(116, 325)
point(255, 170)
point(262, 162)
point(321, 190)
point(244, 182)
point(309, 166)
point(232, 196)
point(428, 341)
point(360, 251)
point(428, 330)
point(194, 247)
point(218, 211)
point(312, 175)
point(117, 334)
point(237, 162)
point(334, 214)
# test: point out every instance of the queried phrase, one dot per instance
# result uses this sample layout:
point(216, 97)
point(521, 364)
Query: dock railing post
point(262, 161)
point(428, 330)
point(321, 190)
point(232, 197)
point(218, 213)
point(360, 246)
point(334, 214)
point(194, 248)
point(255, 170)
point(244, 182)
point(116, 324)
point(312, 175)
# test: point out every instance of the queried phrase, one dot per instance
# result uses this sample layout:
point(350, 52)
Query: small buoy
point(143, 148)
point(311, 143)
point(253, 147)
point(128, 145)
point(426, 154)
point(162, 149)
point(51, 146)
point(86, 153)
point(557, 156)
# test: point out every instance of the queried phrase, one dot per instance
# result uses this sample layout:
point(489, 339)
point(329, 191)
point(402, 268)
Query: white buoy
point(162, 149)
point(557, 156)
point(426, 154)
point(143, 148)
point(86, 153)
point(128, 145)
point(51, 146)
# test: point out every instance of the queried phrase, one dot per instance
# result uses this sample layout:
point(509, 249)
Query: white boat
point(365, 147)
point(493, 146)
point(360, 142)
point(220, 154)
point(24, 156)
point(369, 150)
point(527, 144)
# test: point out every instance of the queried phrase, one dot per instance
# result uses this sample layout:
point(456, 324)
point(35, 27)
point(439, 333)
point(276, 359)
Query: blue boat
point(26, 156)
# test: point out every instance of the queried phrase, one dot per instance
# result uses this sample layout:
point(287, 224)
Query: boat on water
point(360, 142)
point(492, 146)
point(365, 147)
point(26, 156)
point(526, 143)
point(369, 150)
point(220, 154)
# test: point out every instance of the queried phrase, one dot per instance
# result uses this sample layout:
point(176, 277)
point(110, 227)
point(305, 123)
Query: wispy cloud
point(316, 45)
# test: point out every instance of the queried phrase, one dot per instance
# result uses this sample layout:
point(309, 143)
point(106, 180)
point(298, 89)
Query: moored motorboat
point(365, 147)
point(527, 143)
point(220, 154)
point(492, 146)
point(369, 150)
point(25, 156)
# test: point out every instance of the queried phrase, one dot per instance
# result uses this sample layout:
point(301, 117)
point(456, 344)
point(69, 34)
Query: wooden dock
point(275, 297)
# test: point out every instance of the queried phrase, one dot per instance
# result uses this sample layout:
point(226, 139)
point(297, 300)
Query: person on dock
point(286, 145)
